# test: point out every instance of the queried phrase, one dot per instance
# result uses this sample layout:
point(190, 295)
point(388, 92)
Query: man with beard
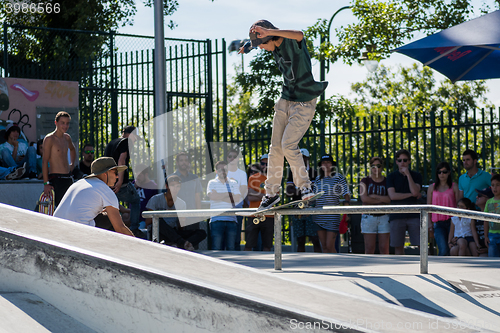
point(474, 177)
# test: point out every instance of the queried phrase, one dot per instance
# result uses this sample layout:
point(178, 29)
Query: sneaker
point(138, 234)
point(32, 175)
point(268, 202)
point(16, 174)
point(188, 246)
point(306, 193)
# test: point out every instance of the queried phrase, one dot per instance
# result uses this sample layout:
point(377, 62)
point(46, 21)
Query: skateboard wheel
point(262, 218)
point(301, 205)
point(256, 220)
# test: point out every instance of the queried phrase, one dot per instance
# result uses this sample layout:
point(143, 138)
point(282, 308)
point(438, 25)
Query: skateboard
point(46, 203)
point(260, 216)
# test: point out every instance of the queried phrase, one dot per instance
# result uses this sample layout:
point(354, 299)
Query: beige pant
point(291, 121)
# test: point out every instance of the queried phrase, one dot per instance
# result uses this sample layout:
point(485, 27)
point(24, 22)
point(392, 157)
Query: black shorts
point(266, 229)
point(61, 183)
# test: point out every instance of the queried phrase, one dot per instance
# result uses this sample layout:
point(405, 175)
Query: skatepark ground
point(60, 276)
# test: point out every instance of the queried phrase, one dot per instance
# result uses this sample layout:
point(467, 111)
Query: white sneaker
point(307, 193)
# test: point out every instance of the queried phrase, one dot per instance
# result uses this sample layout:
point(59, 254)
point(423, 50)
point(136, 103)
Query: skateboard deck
point(46, 203)
point(260, 216)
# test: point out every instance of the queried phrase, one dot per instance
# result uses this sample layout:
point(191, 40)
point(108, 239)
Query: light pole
point(323, 63)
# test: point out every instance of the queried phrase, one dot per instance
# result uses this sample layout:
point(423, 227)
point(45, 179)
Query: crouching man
point(90, 196)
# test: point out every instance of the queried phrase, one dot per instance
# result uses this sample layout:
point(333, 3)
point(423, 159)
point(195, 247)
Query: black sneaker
point(268, 202)
point(139, 234)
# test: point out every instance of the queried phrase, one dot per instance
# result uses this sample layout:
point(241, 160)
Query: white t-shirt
point(84, 200)
point(22, 149)
point(240, 177)
point(217, 185)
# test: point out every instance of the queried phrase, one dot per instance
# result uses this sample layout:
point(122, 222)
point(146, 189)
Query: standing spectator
point(224, 193)
point(442, 193)
point(492, 229)
point(303, 226)
point(191, 187)
point(265, 229)
point(295, 109)
point(479, 248)
point(403, 187)
point(335, 187)
point(373, 191)
point(82, 169)
point(118, 149)
point(240, 177)
point(15, 153)
point(171, 230)
point(473, 178)
point(263, 163)
point(461, 233)
point(56, 168)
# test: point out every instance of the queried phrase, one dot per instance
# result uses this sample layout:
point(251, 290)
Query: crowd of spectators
point(232, 187)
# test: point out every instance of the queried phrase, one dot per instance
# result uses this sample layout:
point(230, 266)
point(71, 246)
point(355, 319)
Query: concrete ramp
point(114, 283)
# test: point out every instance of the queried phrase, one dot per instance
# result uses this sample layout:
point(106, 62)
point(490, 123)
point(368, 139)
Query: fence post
point(424, 242)
point(114, 93)
point(156, 230)
point(277, 242)
point(5, 51)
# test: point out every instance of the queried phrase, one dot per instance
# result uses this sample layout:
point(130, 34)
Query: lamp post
point(323, 63)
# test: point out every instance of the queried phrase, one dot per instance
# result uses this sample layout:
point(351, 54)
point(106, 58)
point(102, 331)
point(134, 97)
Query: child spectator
point(492, 229)
point(442, 193)
point(335, 187)
point(461, 233)
point(480, 248)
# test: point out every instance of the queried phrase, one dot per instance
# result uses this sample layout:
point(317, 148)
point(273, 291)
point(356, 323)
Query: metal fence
point(116, 77)
point(430, 139)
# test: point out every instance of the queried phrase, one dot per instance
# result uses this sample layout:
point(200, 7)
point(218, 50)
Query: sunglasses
point(378, 166)
point(441, 172)
point(402, 160)
point(88, 151)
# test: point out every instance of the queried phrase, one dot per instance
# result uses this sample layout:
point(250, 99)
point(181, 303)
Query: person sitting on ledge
point(171, 230)
point(16, 153)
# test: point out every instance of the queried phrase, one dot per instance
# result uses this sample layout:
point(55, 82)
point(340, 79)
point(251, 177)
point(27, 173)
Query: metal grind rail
point(423, 210)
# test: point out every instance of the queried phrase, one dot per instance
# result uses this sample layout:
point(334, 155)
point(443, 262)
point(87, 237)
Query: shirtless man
point(55, 166)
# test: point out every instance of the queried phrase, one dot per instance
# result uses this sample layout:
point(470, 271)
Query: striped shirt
point(335, 188)
point(219, 187)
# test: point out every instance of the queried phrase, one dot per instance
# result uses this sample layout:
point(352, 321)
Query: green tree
point(389, 24)
point(414, 90)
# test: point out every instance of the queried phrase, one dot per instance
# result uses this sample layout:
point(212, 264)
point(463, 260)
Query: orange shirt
point(256, 183)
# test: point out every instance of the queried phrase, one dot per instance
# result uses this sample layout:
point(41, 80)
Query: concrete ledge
point(114, 283)
point(21, 193)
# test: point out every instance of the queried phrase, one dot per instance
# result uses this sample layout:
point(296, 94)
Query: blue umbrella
point(468, 51)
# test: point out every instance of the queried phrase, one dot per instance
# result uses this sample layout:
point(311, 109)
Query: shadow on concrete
point(460, 293)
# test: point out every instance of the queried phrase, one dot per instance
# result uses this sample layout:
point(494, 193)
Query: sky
point(231, 19)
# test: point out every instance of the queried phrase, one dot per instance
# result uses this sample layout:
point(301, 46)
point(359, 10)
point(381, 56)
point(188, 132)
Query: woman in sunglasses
point(373, 191)
point(443, 192)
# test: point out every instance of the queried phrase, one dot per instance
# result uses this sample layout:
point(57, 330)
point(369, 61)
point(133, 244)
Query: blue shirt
point(468, 185)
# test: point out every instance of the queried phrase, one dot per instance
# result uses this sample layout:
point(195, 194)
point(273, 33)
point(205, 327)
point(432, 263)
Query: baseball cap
point(129, 129)
point(327, 158)
point(264, 156)
point(11, 127)
point(256, 41)
point(486, 192)
point(305, 152)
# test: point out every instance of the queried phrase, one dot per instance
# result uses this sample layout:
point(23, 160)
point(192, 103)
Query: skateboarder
point(295, 109)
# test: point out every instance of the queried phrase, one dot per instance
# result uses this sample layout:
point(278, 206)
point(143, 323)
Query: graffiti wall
point(33, 104)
